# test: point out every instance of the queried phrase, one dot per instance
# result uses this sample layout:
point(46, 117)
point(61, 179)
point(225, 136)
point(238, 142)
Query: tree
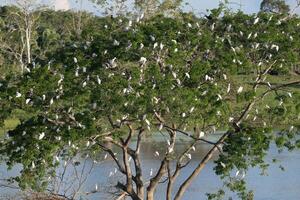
point(274, 6)
point(20, 25)
point(154, 76)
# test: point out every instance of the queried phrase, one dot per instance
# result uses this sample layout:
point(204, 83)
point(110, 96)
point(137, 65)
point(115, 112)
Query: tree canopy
point(179, 75)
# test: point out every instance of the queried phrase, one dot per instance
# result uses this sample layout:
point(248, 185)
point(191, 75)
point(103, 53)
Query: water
point(278, 185)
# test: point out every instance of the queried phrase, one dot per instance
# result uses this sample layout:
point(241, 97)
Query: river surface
point(277, 185)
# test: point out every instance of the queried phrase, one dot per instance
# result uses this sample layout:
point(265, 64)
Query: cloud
point(62, 5)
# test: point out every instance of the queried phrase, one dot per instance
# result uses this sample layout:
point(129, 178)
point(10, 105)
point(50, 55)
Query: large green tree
point(125, 78)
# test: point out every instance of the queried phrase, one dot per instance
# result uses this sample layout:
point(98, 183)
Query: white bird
point(18, 94)
point(151, 172)
point(249, 36)
point(274, 46)
point(189, 156)
point(187, 75)
point(105, 156)
point(96, 187)
point(143, 60)
point(41, 136)
point(192, 109)
point(160, 127)
point(27, 101)
point(75, 60)
point(256, 21)
point(193, 148)
point(51, 101)
point(155, 45)
point(141, 46)
point(161, 46)
point(152, 38)
point(290, 94)
point(228, 88)
point(84, 84)
point(32, 165)
point(168, 142)
point(156, 153)
point(201, 134)
point(223, 165)
point(240, 90)
point(98, 80)
point(225, 76)
point(116, 43)
point(87, 143)
point(230, 119)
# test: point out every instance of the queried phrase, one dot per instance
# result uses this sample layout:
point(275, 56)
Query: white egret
point(240, 89)
point(189, 156)
point(18, 94)
point(256, 21)
point(27, 101)
point(41, 136)
point(156, 153)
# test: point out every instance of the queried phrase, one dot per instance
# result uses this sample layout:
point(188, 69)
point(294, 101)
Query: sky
point(198, 6)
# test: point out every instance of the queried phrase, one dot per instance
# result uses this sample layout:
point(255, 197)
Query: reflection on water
point(277, 185)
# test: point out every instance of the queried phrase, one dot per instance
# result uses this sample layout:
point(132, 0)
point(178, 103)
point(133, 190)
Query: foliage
point(176, 72)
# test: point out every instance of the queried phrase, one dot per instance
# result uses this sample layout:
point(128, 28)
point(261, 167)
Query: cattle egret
point(152, 38)
point(143, 60)
point(96, 187)
point(189, 156)
point(160, 127)
point(222, 164)
point(192, 109)
point(274, 46)
point(98, 80)
point(84, 84)
point(75, 60)
point(193, 148)
point(228, 88)
point(105, 156)
point(32, 165)
point(27, 101)
point(155, 45)
point(170, 149)
point(249, 36)
point(201, 134)
point(147, 122)
point(168, 142)
point(151, 172)
point(256, 21)
point(161, 46)
point(230, 119)
point(116, 43)
point(156, 153)
point(88, 144)
point(41, 136)
point(18, 94)
point(141, 46)
point(240, 90)
point(187, 75)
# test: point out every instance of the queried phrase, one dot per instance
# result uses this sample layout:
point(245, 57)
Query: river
point(277, 185)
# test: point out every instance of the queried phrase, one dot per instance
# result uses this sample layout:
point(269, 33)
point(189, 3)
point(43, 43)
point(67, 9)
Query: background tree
point(274, 6)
